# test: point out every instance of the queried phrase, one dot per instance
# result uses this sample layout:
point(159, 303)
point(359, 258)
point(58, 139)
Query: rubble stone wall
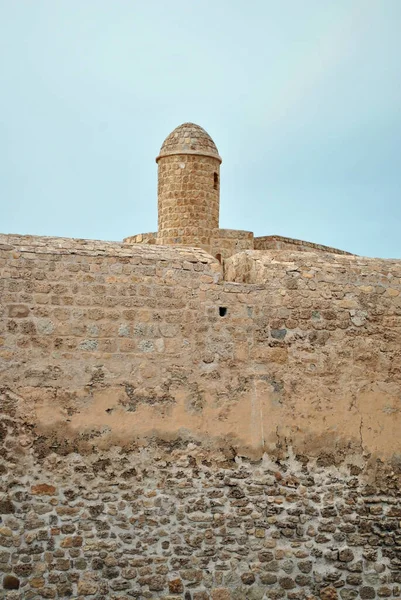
point(170, 432)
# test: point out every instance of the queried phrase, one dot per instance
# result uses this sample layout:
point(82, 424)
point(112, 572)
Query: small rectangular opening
point(215, 180)
point(222, 311)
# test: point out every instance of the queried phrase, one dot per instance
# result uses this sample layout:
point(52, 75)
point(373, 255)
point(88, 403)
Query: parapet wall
point(142, 238)
point(225, 243)
point(170, 433)
point(278, 242)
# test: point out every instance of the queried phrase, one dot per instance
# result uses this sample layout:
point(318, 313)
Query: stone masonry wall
point(174, 520)
point(226, 242)
point(222, 242)
point(278, 242)
point(188, 199)
point(141, 238)
point(167, 433)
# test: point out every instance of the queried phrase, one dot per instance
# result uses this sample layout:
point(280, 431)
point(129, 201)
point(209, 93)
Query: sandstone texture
point(189, 201)
point(198, 414)
point(175, 428)
point(188, 187)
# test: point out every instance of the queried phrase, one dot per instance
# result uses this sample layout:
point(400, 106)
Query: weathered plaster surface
point(163, 420)
point(128, 341)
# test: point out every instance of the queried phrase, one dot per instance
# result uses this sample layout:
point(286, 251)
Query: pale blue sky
point(302, 97)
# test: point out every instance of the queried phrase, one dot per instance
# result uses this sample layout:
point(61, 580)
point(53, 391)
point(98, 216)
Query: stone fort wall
point(224, 243)
point(170, 431)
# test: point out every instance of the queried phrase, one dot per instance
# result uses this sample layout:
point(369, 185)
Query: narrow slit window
point(215, 181)
point(218, 256)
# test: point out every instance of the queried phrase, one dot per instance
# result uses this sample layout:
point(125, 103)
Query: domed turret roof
point(189, 138)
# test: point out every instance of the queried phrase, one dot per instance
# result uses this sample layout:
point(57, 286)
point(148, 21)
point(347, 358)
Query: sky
point(302, 98)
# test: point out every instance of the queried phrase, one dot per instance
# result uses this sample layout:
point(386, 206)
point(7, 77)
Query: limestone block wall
point(167, 433)
point(142, 238)
point(188, 199)
point(278, 242)
point(222, 242)
point(226, 242)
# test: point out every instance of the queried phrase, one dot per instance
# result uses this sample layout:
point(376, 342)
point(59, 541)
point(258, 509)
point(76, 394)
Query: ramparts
point(227, 242)
point(170, 430)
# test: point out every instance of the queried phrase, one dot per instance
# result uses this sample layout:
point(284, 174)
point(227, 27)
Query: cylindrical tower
point(188, 187)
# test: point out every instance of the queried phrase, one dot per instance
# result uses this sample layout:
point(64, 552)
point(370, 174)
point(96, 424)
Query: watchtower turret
point(188, 187)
